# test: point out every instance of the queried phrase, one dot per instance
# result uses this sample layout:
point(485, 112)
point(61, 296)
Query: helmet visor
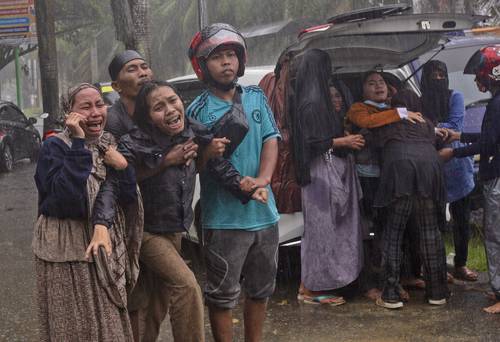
point(474, 63)
point(222, 37)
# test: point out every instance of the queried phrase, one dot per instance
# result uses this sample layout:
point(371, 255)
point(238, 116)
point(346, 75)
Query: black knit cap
point(120, 60)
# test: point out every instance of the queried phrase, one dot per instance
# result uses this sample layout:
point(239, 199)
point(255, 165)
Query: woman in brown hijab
point(82, 288)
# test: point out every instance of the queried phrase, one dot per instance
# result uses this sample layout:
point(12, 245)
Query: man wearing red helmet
point(485, 64)
point(241, 240)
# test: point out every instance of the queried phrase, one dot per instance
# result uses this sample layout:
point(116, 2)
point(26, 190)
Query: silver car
point(383, 38)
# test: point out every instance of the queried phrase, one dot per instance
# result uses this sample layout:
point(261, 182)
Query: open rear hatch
point(377, 38)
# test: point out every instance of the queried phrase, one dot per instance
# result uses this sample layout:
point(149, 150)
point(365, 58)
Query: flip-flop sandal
point(331, 300)
point(464, 273)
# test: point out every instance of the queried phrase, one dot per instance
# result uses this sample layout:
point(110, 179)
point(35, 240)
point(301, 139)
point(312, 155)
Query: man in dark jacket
point(485, 64)
point(128, 71)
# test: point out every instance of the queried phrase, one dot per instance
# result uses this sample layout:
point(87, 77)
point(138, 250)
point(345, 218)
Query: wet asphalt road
point(358, 320)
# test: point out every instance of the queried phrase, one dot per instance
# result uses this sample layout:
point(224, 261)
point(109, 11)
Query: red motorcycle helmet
point(210, 38)
point(485, 64)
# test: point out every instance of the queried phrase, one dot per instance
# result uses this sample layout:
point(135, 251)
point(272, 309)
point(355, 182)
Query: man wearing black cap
point(128, 71)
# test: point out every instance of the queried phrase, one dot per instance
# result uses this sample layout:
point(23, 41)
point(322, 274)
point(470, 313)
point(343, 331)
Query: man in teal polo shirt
point(241, 240)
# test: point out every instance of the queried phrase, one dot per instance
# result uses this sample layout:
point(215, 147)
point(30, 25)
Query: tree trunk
point(459, 6)
point(202, 14)
point(132, 25)
point(47, 57)
point(94, 63)
point(417, 6)
point(142, 31)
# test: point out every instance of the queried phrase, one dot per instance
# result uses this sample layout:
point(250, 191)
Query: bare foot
point(449, 278)
point(417, 283)
point(493, 309)
point(373, 294)
point(491, 295)
point(403, 294)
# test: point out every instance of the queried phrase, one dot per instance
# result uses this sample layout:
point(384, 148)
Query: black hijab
point(435, 93)
point(314, 123)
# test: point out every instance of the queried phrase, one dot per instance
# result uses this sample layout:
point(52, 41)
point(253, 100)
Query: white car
point(291, 226)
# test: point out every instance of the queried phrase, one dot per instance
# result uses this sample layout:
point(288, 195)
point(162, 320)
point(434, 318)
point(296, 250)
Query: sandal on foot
point(331, 300)
point(465, 273)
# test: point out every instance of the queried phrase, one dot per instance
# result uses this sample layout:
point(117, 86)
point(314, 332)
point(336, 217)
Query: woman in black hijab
point(435, 92)
point(445, 107)
point(331, 246)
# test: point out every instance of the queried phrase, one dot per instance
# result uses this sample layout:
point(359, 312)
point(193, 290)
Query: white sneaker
point(389, 305)
point(437, 301)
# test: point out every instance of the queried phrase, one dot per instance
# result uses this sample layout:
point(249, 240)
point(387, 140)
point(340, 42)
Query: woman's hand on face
point(74, 122)
point(415, 117)
point(100, 238)
point(115, 159)
point(216, 147)
point(351, 141)
point(446, 154)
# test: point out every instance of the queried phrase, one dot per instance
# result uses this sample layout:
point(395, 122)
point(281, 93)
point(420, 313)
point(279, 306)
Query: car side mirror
point(32, 121)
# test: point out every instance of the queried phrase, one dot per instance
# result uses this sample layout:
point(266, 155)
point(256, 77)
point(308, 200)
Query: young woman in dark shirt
point(163, 149)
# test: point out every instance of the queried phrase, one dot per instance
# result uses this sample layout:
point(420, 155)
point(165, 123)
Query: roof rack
point(369, 13)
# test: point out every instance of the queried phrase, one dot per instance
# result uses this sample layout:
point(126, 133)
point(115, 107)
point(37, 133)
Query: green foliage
point(476, 258)
point(173, 23)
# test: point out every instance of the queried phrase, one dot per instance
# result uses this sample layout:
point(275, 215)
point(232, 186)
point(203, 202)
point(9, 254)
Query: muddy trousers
point(166, 284)
point(491, 224)
point(431, 246)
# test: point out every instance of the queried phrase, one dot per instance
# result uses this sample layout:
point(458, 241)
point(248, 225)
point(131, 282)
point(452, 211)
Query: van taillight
point(318, 28)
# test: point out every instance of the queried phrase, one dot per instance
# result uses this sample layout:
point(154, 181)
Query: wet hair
point(141, 113)
point(68, 100)
point(369, 73)
point(344, 92)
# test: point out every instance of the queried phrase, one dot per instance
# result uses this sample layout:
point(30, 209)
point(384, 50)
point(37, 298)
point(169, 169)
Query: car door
point(379, 39)
point(7, 131)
